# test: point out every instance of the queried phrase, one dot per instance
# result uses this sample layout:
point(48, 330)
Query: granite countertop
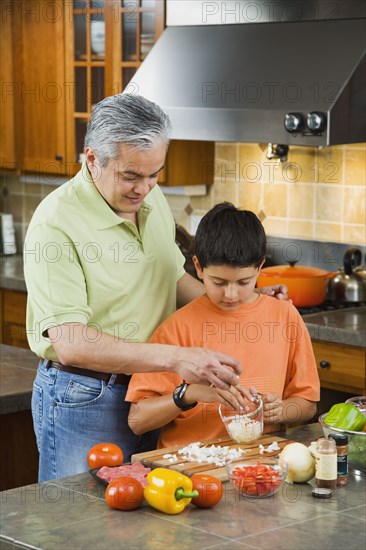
point(71, 513)
point(17, 372)
point(11, 272)
point(342, 326)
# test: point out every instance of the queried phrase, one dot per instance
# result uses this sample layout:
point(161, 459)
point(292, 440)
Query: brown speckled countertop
point(342, 326)
point(71, 513)
point(17, 372)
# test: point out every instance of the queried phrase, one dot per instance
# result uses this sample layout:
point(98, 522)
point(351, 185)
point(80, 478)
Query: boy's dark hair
point(228, 235)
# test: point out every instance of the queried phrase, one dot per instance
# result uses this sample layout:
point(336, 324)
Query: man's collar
point(101, 213)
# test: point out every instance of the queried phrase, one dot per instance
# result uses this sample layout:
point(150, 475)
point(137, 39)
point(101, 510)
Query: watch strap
point(178, 395)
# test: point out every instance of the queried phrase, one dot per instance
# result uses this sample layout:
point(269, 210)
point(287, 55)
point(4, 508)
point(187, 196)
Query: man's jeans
point(71, 413)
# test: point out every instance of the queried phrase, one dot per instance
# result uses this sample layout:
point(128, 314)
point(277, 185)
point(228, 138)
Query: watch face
point(178, 395)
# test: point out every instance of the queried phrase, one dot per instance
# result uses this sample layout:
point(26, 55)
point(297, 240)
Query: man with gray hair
point(102, 272)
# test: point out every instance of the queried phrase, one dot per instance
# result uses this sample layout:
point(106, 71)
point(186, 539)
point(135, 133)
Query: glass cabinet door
point(141, 23)
point(105, 42)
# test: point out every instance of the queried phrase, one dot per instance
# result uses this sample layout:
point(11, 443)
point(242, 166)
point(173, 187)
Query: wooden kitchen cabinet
point(39, 80)
point(341, 367)
point(189, 163)
point(106, 41)
point(13, 315)
point(7, 143)
point(60, 58)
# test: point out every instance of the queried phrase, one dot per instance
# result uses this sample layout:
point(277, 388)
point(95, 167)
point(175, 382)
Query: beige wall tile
point(276, 226)
point(226, 151)
point(275, 199)
point(204, 202)
point(356, 146)
point(30, 203)
point(303, 229)
point(252, 161)
point(328, 203)
point(354, 234)
point(330, 165)
point(250, 196)
point(226, 162)
point(327, 231)
point(301, 201)
point(355, 166)
point(224, 191)
point(300, 166)
point(354, 205)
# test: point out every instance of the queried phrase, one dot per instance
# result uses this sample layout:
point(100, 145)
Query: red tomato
point(259, 480)
point(105, 454)
point(124, 493)
point(210, 490)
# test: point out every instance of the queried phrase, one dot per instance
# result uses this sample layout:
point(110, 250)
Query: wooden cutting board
point(154, 459)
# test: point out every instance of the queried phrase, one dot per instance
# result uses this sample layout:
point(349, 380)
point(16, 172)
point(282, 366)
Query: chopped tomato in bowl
point(257, 478)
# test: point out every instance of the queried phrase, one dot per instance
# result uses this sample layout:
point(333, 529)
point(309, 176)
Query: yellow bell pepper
point(168, 491)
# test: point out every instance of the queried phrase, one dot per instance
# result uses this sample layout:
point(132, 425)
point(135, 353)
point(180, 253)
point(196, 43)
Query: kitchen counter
point(343, 326)
point(19, 454)
point(71, 513)
point(17, 373)
point(11, 273)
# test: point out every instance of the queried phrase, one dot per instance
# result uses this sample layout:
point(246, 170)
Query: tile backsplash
point(316, 194)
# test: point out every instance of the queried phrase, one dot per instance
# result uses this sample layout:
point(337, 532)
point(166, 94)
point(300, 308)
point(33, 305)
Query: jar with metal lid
point(341, 441)
point(326, 464)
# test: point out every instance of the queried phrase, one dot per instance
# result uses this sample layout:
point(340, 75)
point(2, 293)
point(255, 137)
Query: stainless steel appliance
point(295, 75)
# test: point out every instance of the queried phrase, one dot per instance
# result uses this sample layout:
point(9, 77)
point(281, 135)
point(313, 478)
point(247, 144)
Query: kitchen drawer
point(341, 367)
point(13, 329)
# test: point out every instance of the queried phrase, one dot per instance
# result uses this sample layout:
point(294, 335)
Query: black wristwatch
point(178, 395)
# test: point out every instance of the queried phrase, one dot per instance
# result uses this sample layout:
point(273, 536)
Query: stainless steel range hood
point(237, 82)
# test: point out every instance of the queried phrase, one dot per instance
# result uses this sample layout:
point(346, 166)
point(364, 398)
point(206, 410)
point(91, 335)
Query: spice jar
point(326, 464)
point(341, 441)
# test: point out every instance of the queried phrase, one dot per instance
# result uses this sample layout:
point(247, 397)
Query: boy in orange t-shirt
point(268, 336)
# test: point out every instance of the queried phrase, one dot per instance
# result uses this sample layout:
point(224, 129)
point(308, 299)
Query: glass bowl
point(359, 401)
point(257, 478)
point(356, 445)
point(243, 427)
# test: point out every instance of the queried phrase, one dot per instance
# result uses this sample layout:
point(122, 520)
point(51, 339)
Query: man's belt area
point(105, 376)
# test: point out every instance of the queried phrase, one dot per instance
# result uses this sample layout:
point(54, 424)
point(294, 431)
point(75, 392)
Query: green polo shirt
point(84, 264)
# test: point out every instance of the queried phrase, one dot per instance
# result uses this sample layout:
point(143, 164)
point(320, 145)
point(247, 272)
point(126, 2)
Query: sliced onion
point(301, 464)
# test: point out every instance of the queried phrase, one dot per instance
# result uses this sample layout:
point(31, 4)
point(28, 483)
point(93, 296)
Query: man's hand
point(205, 366)
point(277, 291)
point(272, 408)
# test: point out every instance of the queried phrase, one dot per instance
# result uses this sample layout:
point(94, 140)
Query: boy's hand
point(234, 398)
point(277, 291)
point(272, 408)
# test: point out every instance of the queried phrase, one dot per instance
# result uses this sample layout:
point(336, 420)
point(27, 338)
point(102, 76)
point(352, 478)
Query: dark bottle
point(342, 457)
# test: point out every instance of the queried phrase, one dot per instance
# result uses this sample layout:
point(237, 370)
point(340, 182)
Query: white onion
point(301, 464)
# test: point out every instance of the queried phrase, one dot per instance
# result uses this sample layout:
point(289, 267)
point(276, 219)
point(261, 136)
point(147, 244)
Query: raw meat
point(135, 470)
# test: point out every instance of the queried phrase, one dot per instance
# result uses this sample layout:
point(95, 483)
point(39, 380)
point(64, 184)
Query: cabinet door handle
point(58, 157)
point(324, 364)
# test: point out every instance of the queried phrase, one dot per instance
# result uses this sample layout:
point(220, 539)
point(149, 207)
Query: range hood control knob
point(294, 122)
point(315, 122)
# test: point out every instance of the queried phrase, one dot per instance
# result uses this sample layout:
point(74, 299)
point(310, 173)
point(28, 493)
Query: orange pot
point(306, 285)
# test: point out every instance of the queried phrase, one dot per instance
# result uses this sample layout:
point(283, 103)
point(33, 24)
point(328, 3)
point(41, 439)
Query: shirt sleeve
point(144, 385)
point(180, 260)
point(302, 378)
point(55, 281)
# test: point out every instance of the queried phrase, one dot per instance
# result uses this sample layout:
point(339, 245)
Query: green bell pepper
point(346, 416)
